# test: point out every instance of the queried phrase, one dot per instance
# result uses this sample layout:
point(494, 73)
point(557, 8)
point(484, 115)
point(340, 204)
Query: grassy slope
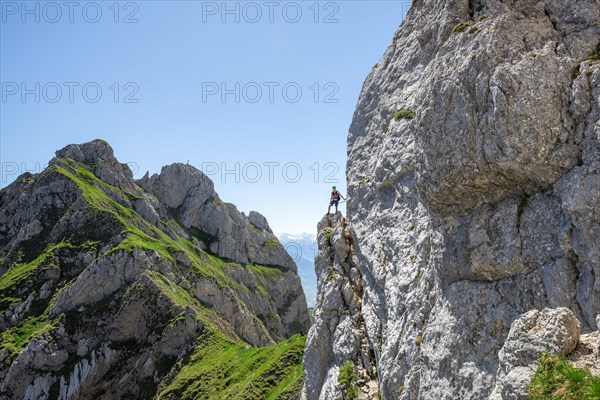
point(221, 366)
point(140, 233)
point(220, 369)
point(558, 379)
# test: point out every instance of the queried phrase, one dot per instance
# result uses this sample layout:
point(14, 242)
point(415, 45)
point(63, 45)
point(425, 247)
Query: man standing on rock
point(335, 199)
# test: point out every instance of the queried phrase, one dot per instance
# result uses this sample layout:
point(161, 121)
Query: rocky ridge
point(105, 279)
point(474, 203)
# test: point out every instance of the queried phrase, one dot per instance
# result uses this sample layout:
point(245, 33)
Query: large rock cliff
point(474, 198)
point(105, 280)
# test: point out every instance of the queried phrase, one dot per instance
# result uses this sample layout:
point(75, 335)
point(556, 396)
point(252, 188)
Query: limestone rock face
point(474, 192)
point(105, 280)
point(553, 331)
point(189, 194)
point(338, 333)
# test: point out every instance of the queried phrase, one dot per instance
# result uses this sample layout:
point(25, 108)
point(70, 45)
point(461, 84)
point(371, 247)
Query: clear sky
point(258, 95)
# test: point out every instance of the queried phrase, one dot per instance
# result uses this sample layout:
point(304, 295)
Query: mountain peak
point(89, 152)
point(105, 274)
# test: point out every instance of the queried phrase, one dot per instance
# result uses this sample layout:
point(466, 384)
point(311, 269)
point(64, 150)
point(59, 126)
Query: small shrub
point(404, 114)
point(460, 27)
point(411, 227)
point(588, 73)
point(481, 18)
point(473, 29)
point(328, 232)
point(400, 389)
point(272, 244)
point(593, 57)
point(418, 340)
point(523, 197)
point(533, 54)
point(576, 71)
point(556, 378)
point(347, 378)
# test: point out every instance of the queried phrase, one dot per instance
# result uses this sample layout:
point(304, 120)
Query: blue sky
point(259, 95)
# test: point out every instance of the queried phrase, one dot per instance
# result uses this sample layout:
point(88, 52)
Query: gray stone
point(554, 331)
point(481, 207)
point(124, 276)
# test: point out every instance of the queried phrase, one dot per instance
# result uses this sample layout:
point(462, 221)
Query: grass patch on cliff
point(273, 244)
point(523, 197)
point(139, 232)
point(271, 273)
point(19, 272)
point(460, 27)
point(348, 379)
point(221, 369)
point(175, 292)
point(557, 379)
point(264, 274)
point(16, 338)
point(403, 114)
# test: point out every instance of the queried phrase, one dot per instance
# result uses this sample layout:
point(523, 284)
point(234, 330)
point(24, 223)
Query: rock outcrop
point(339, 332)
point(474, 195)
point(536, 332)
point(104, 280)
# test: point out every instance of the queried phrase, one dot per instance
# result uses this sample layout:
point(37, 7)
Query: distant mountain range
point(303, 248)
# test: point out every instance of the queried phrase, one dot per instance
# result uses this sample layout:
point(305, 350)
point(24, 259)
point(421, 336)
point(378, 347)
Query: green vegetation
point(557, 379)
point(418, 340)
point(175, 292)
point(576, 71)
point(19, 272)
point(521, 207)
point(221, 369)
point(273, 244)
point(23, 279)
point(328, 232)
point(403, 114)
point(593, 57)
point(348, 379)
point(274, 274)
point(473, 29)
point(140, 233)
point(16, 338)
point(220, 366)
point(264, 275)
point(460, 27)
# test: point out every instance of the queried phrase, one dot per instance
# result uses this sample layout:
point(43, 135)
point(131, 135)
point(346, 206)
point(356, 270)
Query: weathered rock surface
point(553, 331)
point(339, 333)
point(189, 194)
point(481, 203)
point(105, 280)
